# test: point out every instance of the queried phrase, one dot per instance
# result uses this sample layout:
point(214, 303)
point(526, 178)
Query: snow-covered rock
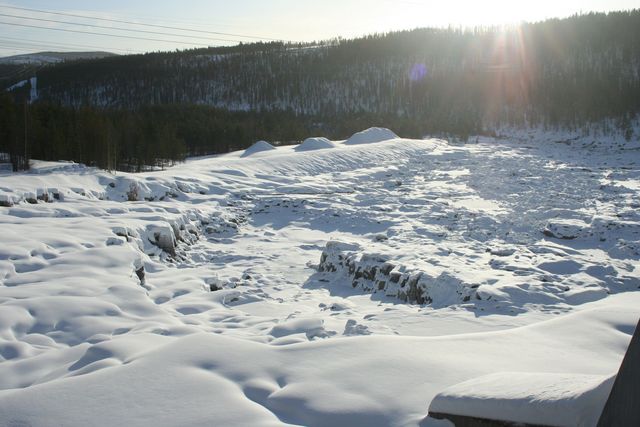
point(6, 200)
point(44, 194)
point(371, 135)
point(353, 328)
point(30, 197)
point(163, 236)
point(377, 273)
point(567, 229)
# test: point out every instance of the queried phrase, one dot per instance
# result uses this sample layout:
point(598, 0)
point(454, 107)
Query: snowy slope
point(193, 296)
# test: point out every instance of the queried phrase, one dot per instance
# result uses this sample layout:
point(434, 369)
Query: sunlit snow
point(245, 289)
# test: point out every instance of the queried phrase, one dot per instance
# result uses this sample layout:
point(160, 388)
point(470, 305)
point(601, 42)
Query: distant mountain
point(42, 58)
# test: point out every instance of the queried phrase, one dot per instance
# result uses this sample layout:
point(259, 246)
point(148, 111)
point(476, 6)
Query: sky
point(251, 20)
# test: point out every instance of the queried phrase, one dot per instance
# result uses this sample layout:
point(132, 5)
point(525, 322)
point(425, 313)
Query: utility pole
point(108, 137)
point(25, 164)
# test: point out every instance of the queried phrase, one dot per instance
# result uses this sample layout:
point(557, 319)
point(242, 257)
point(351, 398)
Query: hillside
point(42, 58)
point(569, 71)
point(17, 68)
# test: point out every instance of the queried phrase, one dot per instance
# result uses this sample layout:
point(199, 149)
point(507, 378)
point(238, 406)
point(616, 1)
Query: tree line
point(153, 136)
point(156, 136)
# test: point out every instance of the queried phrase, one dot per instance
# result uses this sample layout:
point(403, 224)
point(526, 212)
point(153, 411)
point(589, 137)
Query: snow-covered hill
point(340, 286)
point(42, 58)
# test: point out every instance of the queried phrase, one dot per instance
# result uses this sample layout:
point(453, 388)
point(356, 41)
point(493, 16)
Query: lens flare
point(418, 72)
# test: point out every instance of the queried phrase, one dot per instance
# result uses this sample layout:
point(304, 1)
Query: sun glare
point(417, 13)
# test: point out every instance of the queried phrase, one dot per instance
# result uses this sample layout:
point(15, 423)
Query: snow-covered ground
point(284, 287)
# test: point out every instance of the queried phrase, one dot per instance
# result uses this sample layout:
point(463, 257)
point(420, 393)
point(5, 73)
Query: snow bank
point(317, 143)
point(531, 398)
point(371, 135)
point(258, 147)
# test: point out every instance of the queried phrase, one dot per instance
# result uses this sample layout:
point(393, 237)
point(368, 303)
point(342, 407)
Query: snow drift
point(529, 398)
point(258, 147)
point(371, 135)
point(317, 143)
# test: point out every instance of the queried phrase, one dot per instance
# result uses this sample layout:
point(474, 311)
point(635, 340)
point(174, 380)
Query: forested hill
point(566, 71)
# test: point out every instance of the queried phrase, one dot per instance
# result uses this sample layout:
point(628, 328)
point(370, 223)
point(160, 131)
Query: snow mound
point(370, 136)
point(258, 147)
point(318, 143)
point(530, 398)
point(312, 328)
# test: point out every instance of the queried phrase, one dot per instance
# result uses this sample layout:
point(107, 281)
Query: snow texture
point(214, 292)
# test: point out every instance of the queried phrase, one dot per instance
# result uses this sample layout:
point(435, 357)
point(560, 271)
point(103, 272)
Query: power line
point(115, 28)
point(19, 50)
point(166, 27)
point(105, 34)
point(65, 45)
